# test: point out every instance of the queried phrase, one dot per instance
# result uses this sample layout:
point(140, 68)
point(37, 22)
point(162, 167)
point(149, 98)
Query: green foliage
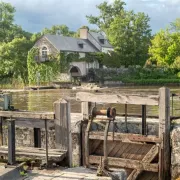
point(13, 58)
point(67, 58)
point(151, 81)
point(58, 30)
point(137, 74)
point(107, 14)
point(48, 70)
point(165, 47)
point(127, 31)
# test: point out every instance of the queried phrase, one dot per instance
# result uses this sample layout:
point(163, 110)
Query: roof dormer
point(80, 44)
point(101, 39)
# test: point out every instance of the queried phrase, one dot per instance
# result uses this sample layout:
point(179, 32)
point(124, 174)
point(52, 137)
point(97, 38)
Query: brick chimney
point(83, 33)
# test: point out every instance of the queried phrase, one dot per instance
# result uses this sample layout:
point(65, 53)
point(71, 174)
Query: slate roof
point(98, 36)
point(70, 44)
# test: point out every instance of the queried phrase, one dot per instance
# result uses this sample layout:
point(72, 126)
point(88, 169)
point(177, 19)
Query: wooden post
point(164, 133)
point(144, 129)
point(86, 109)
point(11, 142)
point(37, 137)
point(1, 131)
point(46, 139)
point(63, 137)
point(126, 118)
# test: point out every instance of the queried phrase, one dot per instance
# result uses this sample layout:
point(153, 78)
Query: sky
point(35, 15)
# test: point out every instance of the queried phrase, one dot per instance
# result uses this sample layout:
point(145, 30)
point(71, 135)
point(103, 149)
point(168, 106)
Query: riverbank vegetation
point(152, 59)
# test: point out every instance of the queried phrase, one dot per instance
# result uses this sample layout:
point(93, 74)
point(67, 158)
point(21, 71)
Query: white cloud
point(34, 15)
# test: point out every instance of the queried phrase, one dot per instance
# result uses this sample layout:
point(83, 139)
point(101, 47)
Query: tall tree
point(13, 58)
point(58, 30)
point(165, 46)
point(6, 20)
point(127, 31)
point(107, 14)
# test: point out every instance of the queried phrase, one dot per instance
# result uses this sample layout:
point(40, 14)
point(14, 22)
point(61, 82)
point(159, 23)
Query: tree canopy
point(128, 32)
point(165, 46)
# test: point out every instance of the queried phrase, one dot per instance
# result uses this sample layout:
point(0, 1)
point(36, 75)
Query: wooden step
point(35, 153)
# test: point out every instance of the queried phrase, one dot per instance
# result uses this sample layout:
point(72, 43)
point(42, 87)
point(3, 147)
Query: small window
point(44, 52)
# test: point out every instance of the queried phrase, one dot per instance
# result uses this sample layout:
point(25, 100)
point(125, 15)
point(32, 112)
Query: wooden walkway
point(54, 155)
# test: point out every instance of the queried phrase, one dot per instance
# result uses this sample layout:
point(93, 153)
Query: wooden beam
point(86, 110)
point(63, 137)
point(124, 137)
point(125, 163)
point(11, 142)
point(1, 131)
point(119, 99)
point(25, 114)
point(164, 133)
point(148, 158)
point(144, 129)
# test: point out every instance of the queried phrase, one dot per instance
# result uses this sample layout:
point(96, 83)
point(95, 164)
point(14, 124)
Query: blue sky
point(34, 15)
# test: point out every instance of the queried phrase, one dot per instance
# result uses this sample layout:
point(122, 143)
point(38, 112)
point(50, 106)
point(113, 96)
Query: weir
point(95, 138)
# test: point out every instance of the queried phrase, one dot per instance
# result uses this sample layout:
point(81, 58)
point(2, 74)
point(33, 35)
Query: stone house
point(87, 43)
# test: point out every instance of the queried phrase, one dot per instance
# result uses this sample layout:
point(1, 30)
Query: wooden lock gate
point(105, 122)
point(142, 156)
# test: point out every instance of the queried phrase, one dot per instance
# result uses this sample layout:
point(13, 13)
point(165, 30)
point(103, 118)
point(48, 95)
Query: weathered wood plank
point(148, 159)
point(34, 150)
point(25, 114)
point(125, 137)
point(164, 133)
point(63, 127)
point(1, 131)
point(125, 163)
point(118, 98)
point(11, 142)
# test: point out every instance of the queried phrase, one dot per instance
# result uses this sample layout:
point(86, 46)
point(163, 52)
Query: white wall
point(81, 66)
point(105, 50)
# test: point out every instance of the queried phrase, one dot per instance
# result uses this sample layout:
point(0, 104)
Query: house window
point(44, 52)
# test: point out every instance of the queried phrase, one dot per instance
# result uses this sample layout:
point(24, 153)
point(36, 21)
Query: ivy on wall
point(48, 70)
point(67, 58)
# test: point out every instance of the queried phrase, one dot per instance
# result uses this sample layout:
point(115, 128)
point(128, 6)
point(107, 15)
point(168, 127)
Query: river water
point(43, 100)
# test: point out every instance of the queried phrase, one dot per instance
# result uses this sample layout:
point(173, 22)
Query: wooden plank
point(1, 131)
point(46, 142)
point(25, 114)
point(86, 110)
point(11, 142)
point(32, 155)
point(149, 157)
point(125, 163)
point(144, 129)
point(34, 150)
point(164, 133)
point(125, 137)
point(118, 98)
point(63, 135)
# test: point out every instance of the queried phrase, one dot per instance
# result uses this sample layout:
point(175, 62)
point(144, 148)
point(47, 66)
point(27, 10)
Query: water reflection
point(43, 100)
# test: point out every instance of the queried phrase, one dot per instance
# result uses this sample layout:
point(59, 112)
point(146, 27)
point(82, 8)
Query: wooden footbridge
point(142, 156)
point(58, 119)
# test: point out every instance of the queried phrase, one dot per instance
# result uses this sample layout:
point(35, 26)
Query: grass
point(147, 81)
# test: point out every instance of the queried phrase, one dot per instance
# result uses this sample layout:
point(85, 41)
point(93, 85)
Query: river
point(43, 100)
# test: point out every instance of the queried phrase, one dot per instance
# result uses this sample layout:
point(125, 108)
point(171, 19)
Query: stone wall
point(175, 151)
point(43, 42)
point(25, 137)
